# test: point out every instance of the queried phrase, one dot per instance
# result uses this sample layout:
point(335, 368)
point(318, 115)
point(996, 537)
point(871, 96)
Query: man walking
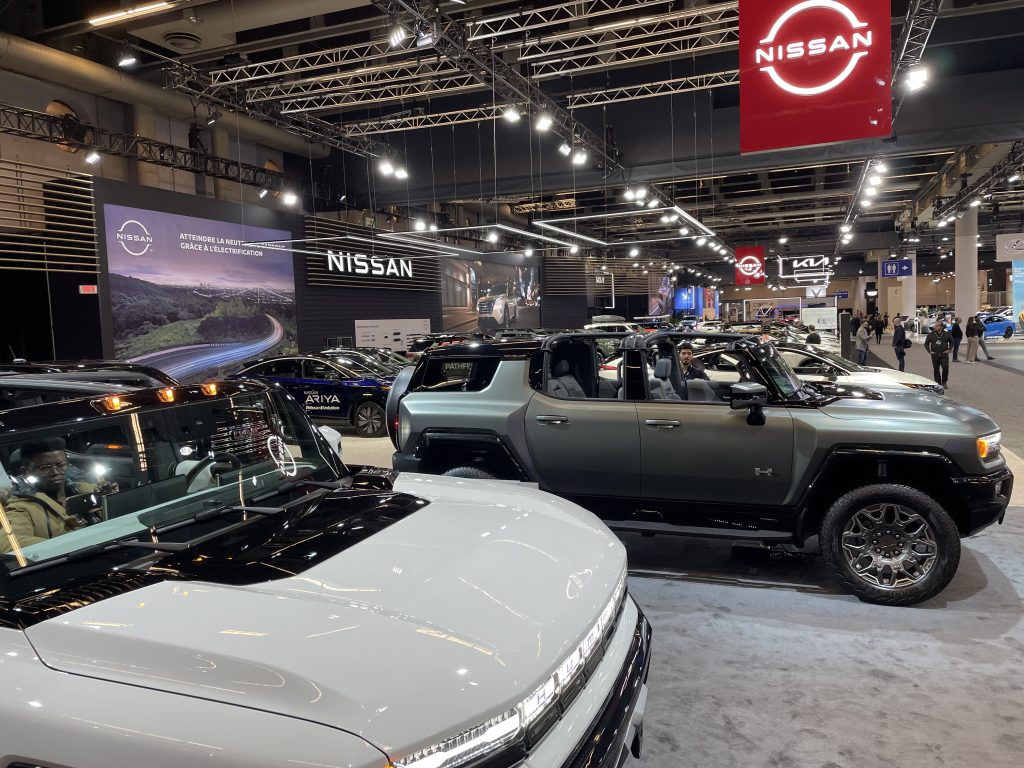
point(899, 341)
point(879, 327)
point(958, 336)
point(938, 344)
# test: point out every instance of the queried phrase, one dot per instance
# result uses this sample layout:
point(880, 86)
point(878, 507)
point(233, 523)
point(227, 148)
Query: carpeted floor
point(767, 664)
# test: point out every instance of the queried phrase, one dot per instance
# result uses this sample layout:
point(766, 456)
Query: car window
point(285, 369)
point(458, 374)
point(729, 367)
point(318, 369)
point(125, 474)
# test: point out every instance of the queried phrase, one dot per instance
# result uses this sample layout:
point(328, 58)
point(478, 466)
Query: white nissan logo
point(134, 237)
point(774, 50)
point(749, 266)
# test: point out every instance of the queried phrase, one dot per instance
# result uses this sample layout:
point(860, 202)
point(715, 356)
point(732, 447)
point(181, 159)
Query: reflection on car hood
point(909, 410)
point(437, 622)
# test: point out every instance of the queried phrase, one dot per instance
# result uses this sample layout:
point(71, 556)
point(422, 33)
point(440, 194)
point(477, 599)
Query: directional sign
point(898, 268)
point(841, 294)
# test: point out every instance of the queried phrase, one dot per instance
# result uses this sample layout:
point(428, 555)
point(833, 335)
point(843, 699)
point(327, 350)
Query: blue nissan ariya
point(331, 388)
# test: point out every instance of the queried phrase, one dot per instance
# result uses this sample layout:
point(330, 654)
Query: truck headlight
point(988, 445)
point(508, 726)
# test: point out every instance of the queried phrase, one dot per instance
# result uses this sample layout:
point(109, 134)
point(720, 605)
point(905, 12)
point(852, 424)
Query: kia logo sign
point(813, 72)
point(845, 46)
point(134, 237)
point(750, 265)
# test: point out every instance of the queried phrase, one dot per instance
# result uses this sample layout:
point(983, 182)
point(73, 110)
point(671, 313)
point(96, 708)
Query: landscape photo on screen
point(485, 296)
point(197, 297)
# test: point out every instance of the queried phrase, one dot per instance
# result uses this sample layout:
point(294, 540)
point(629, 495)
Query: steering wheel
point(220, 457)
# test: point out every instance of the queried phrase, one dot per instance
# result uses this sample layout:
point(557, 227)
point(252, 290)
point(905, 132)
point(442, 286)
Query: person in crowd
point(863, 338)
point(899, 341)
point(813, 337)
point(855, 324)
point(971, 332)
point(885, 321)
point(981, 338)
point(36, 509)
point(879, 328)
point(958, 336)
point(938, 344)
point(687, 367)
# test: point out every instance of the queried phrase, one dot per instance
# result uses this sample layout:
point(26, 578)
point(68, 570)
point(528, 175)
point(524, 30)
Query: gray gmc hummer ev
point(889, 481)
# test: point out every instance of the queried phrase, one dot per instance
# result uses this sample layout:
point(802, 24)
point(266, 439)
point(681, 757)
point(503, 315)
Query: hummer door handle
point(553, 419)
point(662, 423)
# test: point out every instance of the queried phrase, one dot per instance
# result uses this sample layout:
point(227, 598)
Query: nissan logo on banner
point(813, 72)
point(750, 265)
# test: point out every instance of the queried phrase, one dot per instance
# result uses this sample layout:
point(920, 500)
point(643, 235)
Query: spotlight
point(579, 157)
point(492, 236)
point(574, 250)
point(528, 252)
point(845, 228)
point(874, 180)
point(865, 203)
point(433, 227)
point(213, 117)
point(264, 192)
point(290, 198)
point(701, 240)
point(126, 59)
point(653, 203)
point(629, 194)
point(93, 157)
point(511, 114)
point(975, 202)
point(881, 167)
point(637, 264)
point(684, 231)
point(783, 240)
point(1014, 178)
point(634, 252)
point(942, 223)
point(401, 173)
point(564, 149)
point(398, 35)
point(419, 225)
point(544, 122)
point(641, 193)
point(385, 167)
point(916, 79)
point(870, 191)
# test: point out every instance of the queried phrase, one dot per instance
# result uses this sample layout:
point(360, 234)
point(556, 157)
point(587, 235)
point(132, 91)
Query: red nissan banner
point(814, 72)
point(750, 265)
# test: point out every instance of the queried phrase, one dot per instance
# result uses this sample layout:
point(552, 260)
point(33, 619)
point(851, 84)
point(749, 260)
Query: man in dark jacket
point(899, 341)
point(938, 344)
point(879, 327)
point(958, 335)
point(813, 337)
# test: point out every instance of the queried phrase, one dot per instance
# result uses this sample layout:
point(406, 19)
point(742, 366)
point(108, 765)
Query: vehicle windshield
point(359, 368)
point(73, 486)
point(780, 372)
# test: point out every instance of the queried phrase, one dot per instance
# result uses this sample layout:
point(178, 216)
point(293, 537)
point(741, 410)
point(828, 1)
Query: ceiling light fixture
point(874, 180)
point(1014, 178)
point(385, 167)
point(264, 192)
point(865, 203)
point(574, 249)
point(289, 198)
point(916, 79)
point(126, 59)
point(544, 122)
point(528, 252)
point(870, 191)
point(845, 228)
point(213, 117)
point(881, 167)
point(110, 18)
point(653, 203)
point(629, 194)
point(975, 202)
point(783, 240)
point(579, 157)
point(492, 236)
point(401, 173)
point(684, 231)
point(564, 149)
point(419, 225)
point(634, 252)
point(701, 240)
point(398, 35)
point(511, 114)
point(93, 157)
point(641, 193)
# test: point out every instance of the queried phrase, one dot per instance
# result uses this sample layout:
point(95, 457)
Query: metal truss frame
point(634, 46)
point(983, 185)
point(460, 83)
point(652, 90)
point(908, 52)
point(509, 85)
point(68, 131)
point(414, 120)
point(532, 19)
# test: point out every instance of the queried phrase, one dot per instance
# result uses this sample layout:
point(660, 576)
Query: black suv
point(889, 480)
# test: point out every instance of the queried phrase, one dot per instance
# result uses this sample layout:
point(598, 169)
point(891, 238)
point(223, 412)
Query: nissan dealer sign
point(814, 72)
point(750, 265)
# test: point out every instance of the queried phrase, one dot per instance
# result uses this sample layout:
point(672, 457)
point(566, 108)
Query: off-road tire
point(369, 419)
point(470, 472)
point(943, 531)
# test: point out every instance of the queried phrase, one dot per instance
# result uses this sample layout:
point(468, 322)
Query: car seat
point(699, 391)
point(562, 383)
point(660, 387)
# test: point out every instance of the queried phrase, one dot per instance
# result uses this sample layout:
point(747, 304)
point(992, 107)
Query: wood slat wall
point(47, 220)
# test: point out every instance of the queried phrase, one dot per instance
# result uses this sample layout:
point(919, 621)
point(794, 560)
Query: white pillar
point(966, 282)
point(909, 286)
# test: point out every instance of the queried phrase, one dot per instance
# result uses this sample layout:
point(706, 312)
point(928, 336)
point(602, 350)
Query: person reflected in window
point(36, 508)
point(813, 337)
point(687, 368)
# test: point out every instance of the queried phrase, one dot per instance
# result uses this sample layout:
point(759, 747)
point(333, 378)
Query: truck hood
point(914, 411)
point(428, 627)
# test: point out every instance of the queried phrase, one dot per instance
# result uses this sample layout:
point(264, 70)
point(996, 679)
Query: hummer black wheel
point(890, 544)
point(368, 420)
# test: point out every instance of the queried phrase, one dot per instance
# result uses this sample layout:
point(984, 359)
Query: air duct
point(42, 63)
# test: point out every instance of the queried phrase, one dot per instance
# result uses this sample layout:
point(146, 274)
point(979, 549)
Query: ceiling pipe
point(42, 63)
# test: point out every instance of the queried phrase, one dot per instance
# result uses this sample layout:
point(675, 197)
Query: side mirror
point(748, 394)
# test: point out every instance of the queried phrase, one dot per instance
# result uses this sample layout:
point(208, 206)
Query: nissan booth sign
point(814, 72)
point(750, 265)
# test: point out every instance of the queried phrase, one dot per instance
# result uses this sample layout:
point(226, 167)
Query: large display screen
point(700, 301)
point(485, 296)
point(192, 296)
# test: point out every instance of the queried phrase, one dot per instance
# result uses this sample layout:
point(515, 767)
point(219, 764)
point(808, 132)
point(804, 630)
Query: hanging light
point(125, 58)
point(264, 192)
point(565, 149)
point(419, 225)
point(634, 252)
point(916, 79)
point(574, 249)
point(783, 240)
point(579, 157)
point(870, 191)
point(881, 167)
point(684, 231)
point(653, 203)
point(845, 228)
point(289, 198)
point(93, 157)
point(701, 240)
point(398, 35)
point(385, 167)
point(511, 114)
point(492, 236)
point(528, 252)
point(975, 202)
point(629, 194)
point(641, 193)
point(874, 180)
point(433, 227)
point(401, 173)
point(865, 203)
point(544, 122)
